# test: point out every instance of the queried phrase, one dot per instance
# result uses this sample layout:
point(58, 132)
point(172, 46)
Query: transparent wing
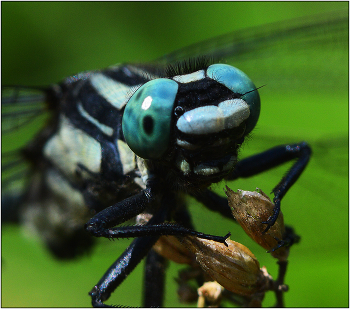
point(23, 110)
point(19, 106)
point(299, 49)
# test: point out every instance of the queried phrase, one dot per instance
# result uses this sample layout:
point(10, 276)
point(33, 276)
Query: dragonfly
point(235, 48)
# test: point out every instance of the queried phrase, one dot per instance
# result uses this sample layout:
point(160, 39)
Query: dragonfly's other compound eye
point(147, 118)
point(240, 83)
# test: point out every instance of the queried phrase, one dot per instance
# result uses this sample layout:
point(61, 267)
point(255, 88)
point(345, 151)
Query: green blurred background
point(45, 42)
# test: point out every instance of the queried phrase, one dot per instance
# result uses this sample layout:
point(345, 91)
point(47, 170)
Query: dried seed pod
point(234, 267)
point(171, 248)
point(250, 209)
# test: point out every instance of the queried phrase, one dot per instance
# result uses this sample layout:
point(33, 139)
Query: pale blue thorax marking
point(70, 147)
point(105, 129)
point(127, 157)
point(114, 92)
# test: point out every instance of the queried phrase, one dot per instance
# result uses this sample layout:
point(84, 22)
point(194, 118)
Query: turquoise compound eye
point(147, 118)
point(238, 82)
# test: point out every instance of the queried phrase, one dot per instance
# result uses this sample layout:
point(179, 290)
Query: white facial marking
point(192, 77)
point(186, 145)
point(205, 170)
point(212, 119)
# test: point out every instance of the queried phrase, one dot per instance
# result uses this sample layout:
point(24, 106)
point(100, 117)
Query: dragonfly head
point(194, 122)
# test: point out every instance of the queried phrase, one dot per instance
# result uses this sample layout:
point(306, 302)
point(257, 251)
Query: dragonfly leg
point(289, 238)
point(125, 264)
point(214, 202)
point(101, 224)
point(120, 269)
point(155, 266)
point(153, 288)
point(269, 159)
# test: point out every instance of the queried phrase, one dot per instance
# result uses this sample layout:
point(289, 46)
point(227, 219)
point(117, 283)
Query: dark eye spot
point(148, 124)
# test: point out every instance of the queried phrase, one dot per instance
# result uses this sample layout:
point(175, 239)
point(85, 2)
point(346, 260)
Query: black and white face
point(195, 121)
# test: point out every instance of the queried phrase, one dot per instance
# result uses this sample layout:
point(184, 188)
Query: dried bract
point(234, 266)
point(250, 209)
point(171, 248)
